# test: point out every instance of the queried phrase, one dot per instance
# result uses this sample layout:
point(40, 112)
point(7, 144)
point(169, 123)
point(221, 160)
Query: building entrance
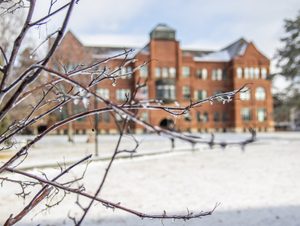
point(167, 124)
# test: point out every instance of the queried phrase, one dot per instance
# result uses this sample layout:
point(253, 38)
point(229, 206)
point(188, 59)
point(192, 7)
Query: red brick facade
point(178, 75)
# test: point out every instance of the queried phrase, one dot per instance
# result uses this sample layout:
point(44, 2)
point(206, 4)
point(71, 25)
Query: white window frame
point(260, 93)
point(239, 73)
point(261, 115)
point(186, 90)
point(256, 73)
point(246, 114)
point(204, 73)
point(120, 94)
point(157, 72)
point(264, 73)
point(144, 71)
point(245, 95)
point(103, 92)
point(214, 74)
point(165, 72)
point(186, 71)
point(251, 72)
point(219, 74)
point(202, 96)
point(246, 73)
point(172, 72)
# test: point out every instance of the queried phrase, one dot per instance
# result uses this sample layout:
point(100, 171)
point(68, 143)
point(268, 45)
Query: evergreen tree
point(289, 56)
point(287, 106)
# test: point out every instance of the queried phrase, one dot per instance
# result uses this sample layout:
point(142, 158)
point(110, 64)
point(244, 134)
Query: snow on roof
point(106, 52)
point(163, 27)
point(214, 56)
point(237, 48)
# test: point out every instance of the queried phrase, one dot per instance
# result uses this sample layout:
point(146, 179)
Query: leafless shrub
point(17, 88)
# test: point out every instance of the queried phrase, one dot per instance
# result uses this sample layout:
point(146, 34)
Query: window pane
point(166, 92)
point(204, 73)
point(120, 94)
point(246, 73)
point(145, 116)
point(103, 92)
point(219, 74)
point(224, 117)
point(214, 74)
point(186, 72)
point(186, 92)
point(246, 114)
point(123, 71)
point(144, 71)
point(172, 92)
point(199, 73)
point(205, 117)
point(251, 72)
point(200, 94)
point(118, 117)
point(261, 115)
point(245, 95)
point(263, 73)
point(260, 93)
point(172, 72)
point(106, 117)
point(216, 116)
point(117, 71)
point(129, 69)
point(165, 72)
point(256, 73)
point(198, 116)
point(157, 72)
point(239, 72)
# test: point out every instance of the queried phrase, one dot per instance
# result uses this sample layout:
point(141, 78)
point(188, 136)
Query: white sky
point(199, 24)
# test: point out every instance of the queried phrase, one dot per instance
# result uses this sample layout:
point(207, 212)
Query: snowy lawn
point(260, 186)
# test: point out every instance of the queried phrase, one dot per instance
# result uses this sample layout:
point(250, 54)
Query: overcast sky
point(199, 24)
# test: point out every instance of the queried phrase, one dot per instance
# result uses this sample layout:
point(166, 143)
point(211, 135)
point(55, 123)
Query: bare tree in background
point(16, 87)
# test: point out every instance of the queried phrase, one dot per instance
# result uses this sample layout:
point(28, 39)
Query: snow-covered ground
point(260, 186)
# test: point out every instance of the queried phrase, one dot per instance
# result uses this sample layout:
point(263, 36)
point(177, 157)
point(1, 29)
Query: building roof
point(108, 51)
point(237, 48)
point(162, 31)
point(162, 27)
point(228, 53)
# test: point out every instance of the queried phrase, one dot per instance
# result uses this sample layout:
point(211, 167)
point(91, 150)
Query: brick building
point(178, 75)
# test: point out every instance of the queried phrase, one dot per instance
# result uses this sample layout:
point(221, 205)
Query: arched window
point(251, 72)
point(129, 69)
point(219, 74)
point(239, 72)
point(165, 72)
point(172, 72)
point(260, 93)
point(246, 72)
point(198, 75)
point(157, 72)
point(204, 73)
point(214, 74)
point(263, 73)
point(256, 73)
point(123, 71)
point(245, 95)
point(117, 71)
